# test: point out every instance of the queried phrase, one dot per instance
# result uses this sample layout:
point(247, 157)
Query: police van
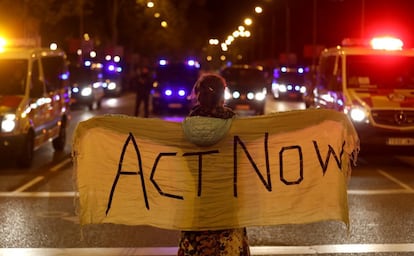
point(172, 86)
point(373, 82)
point(34, 98)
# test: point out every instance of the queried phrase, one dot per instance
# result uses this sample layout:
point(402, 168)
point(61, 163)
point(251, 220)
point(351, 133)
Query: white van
point(374, 84)
point(34, 98)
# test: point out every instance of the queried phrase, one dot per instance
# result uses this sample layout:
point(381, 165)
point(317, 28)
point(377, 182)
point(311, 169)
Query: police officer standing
point(143, 82)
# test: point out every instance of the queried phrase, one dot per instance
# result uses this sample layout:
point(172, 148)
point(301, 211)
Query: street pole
point(314, 32)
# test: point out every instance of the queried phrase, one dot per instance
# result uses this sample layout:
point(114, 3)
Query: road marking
point(40, 178)
point(380, 192)
point(61, 165)
point(395, 180)
point(39, 194)
point(75, 194)
point(255, 250)
point(29, 184)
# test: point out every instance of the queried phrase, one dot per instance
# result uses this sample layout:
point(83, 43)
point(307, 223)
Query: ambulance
point(34, 98)
point(372, 81)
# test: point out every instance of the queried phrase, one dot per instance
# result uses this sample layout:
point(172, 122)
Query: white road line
point(395, 180)
point(29, 184)
point(380, 192)
point(39, 194)
point(40, 178)
point(60, 165)
point(255, 250)
point(74, 193)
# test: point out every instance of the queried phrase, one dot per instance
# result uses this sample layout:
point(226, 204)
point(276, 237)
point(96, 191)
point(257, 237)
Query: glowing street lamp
point(213, 41)
point(53, 46)
point(248, 21)
point(258, 9)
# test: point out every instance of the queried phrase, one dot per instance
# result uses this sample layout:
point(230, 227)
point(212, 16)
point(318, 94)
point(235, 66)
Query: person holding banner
point(209, 92)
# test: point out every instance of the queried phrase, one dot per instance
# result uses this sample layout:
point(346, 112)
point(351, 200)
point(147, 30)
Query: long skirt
point(229, 242)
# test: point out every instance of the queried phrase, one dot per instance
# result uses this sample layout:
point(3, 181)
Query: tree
point(112, 22)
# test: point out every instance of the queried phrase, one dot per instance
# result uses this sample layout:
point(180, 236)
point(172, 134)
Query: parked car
point(173, 84)
point(246, 88)
point(86, 87)
point(289, 83)
point(34, 101)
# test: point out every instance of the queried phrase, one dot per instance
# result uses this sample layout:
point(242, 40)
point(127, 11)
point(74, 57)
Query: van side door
point(38, 104)
point(54, 73)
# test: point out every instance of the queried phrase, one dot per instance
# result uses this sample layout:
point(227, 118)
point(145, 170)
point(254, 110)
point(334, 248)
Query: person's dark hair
point(210, 90)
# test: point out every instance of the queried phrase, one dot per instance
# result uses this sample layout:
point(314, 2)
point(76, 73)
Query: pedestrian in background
point(143, 83)
point(209, 90)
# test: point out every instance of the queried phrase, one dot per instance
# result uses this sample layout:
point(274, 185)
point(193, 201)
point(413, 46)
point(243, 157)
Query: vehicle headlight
point(260, 96)
point(303, 89)
point(87, 91)
point(168, 92)
point(227, 94)
point(97, 85)
point(250, 95)
point(111, 86)
point(236, 94)
point(181, 92)
point(282, 88)
point(8, 123)
point(357, 114)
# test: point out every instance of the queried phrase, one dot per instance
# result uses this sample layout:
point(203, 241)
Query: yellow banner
point(285, 168)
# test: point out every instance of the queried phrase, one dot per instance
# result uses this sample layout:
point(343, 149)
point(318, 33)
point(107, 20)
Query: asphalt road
point(38, 214)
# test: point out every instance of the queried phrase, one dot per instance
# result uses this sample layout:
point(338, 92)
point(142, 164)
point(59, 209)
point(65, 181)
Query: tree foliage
point(128, 23)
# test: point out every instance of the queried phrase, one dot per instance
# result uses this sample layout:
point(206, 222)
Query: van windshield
point(82, 75)
point(245, 75)
point(290, 77)
point(177, 73)
point(380, 71)
point(244, 79)
point(13, 74)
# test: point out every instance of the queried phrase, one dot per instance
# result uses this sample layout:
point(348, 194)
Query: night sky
point(336, 20)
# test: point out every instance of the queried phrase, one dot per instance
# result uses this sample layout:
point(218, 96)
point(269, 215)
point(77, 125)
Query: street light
point(248, 21)
point(258, 9)
point(213, 41)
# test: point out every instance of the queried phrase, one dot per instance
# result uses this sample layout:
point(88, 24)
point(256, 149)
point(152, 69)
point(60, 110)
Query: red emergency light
point(386, 43)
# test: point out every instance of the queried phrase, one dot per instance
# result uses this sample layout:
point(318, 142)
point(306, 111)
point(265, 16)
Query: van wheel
point(24, 160)
point(60, 142)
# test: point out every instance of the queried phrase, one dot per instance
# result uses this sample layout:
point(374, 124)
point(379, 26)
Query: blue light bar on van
point(64, 76)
